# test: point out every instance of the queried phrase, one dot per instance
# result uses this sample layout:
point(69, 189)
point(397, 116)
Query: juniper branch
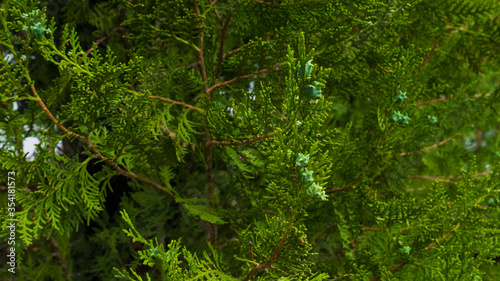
point(108, 161)
point(276, 252)
point(432, 245)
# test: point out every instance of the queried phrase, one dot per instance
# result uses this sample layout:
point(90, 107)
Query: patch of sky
point(29, 146)
point(9, 57)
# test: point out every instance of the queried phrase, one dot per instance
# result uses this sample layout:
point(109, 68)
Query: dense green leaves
point(251, 140)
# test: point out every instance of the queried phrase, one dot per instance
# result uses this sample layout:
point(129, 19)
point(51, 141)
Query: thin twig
point(364, 229)
point(448, 181)
point(57, 253)
point(210, 228)
point(429, 147)
point(432, 178)
point(443, 99)
point(191, 45)
point(178, 102)
point(333, 190)
point(478, 174)
point(222, 42)
point(276, 252)
point(102, 39)
point(215, 11)
point(230, 53)
point(266, 3)
point(235, 143)
point(201, 60)
point(271, 212)
point(429, 54)
point(210, 90)
point(251, 251)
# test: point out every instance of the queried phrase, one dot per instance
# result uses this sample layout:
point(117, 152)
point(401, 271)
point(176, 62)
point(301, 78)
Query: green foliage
point(251, 140)
point(168, 262)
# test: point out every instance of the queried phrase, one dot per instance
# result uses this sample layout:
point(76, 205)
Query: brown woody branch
point(201, 60)
point(108, 161)
point(178, 102)
point(378, 229)
point(235, 143)
point(274, 255)
point(333, 190)
point(271, 212)
point(210, 90)
point(57, 253)
point(102, 39)
point(432, 178)
point(210, 228)
point(251, 250)
point(429, 147)
point(221, 47)
point(445, 180)
point(266, 3)
point(443, 99)
point(230, 53)
point(215, 10)
point(429, 54)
